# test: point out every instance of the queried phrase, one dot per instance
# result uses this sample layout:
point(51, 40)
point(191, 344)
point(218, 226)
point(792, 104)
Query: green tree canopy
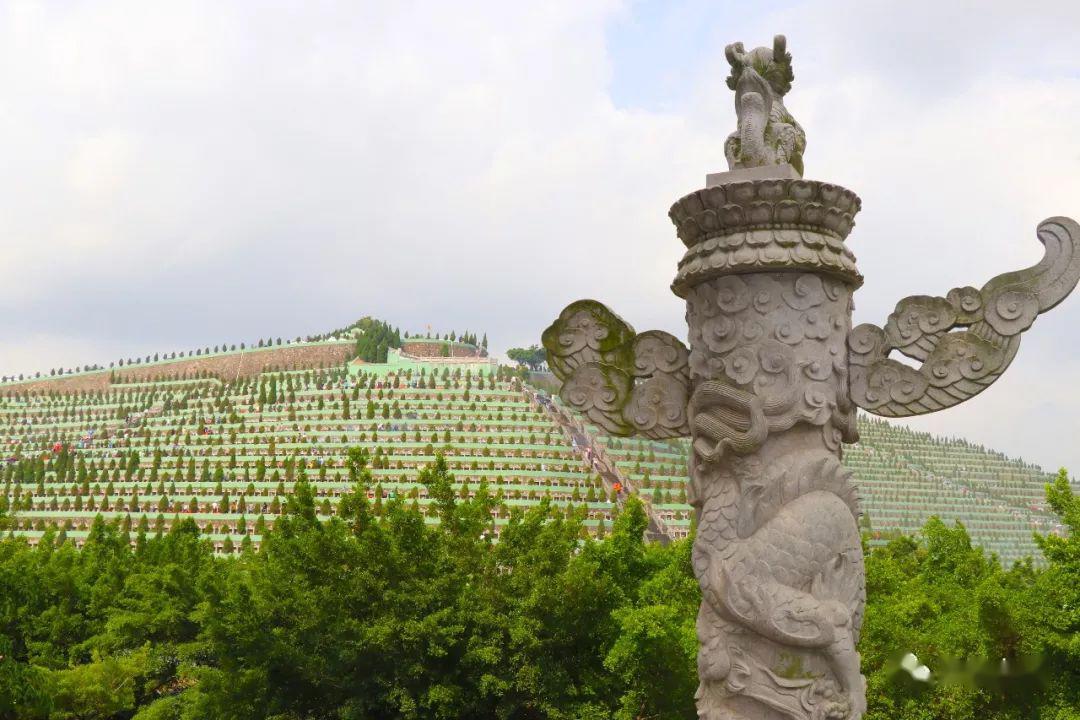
point(532, 357)
point(378, 613)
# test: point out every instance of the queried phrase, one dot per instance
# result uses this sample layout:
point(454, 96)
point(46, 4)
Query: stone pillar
point(768, 285)
point(767, 392)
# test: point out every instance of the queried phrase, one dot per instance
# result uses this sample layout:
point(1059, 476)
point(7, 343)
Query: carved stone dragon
point(767, 390)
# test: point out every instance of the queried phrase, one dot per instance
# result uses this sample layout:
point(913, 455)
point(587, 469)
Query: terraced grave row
point(228, 454)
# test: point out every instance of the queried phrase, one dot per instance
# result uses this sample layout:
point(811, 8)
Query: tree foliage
point(532, 357)
point(997, 643)
point(376, 339)
point(377, 613)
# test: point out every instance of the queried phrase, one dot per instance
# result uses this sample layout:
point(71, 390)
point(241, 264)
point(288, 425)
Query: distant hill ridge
point(224, 365)
point(368, 339)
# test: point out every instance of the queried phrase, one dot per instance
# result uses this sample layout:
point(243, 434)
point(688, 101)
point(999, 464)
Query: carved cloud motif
point(778, 338)
point(960, 364)
point(624, 382)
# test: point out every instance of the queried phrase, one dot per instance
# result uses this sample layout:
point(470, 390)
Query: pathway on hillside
point(591, 452)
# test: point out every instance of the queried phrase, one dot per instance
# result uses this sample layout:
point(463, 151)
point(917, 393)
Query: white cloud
point(177, 175)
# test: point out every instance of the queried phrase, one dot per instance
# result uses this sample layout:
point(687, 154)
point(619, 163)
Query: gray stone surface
point(767, 390)
point(783, 171)
point(767, 134)
point(965, 340)
point(762, 392)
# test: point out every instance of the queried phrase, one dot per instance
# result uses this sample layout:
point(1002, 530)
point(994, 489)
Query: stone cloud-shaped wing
point(627, 383)
point(959, 365)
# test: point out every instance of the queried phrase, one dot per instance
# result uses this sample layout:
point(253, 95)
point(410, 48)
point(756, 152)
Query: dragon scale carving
point(767, 391)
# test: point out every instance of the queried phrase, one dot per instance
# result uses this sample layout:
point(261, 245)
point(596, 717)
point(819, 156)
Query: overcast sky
point(175, 175)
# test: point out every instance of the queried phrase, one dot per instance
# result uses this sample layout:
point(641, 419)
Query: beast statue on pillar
point(768, 390)
point(767, 134)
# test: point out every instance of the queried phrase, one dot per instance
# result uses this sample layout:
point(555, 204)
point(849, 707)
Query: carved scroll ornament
point(626, 383)
point(960, 364)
